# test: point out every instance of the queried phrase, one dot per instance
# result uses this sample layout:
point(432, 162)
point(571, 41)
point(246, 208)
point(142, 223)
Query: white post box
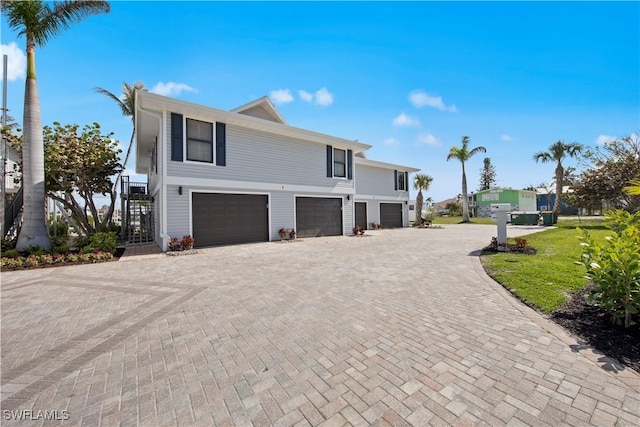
point(499, 215)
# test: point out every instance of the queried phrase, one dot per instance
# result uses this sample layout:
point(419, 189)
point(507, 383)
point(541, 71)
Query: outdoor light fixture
point(180, 190)
point(348, 197)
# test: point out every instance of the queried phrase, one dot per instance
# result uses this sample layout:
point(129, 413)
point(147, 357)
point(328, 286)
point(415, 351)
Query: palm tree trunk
point(465, 202)
point(418, 208)
point(559, 179)
point(34, 229)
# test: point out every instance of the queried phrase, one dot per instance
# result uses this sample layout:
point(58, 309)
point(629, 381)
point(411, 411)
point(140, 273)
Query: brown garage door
point(361, 214)
point(317, 216)
point(391, 215)
point(220, 219)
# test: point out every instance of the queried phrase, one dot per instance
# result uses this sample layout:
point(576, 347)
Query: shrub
point(103, 241)
point(34, 250)
point(61, 249)
point(12, 253)
point(292, 234)
point(8, 244)
point(175, 244)
point(614, 266)
point(187, 243)
point(59, 229)
point(82, 242)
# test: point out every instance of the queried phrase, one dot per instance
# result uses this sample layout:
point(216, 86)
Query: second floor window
point(199, 141)
point(401, 181)
point(339, 163)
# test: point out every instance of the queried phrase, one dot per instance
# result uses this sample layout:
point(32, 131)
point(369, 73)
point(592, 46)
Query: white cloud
point(281, 96)
point(602, 139)
point(171, 88)
point(428, 139)
point(420, 99)
point(390, 141)
point(404, 120)
point(305, 96)
point(324, 97)
point(16, 61)
point(505, 137)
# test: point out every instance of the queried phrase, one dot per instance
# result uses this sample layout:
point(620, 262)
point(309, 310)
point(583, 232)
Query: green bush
point(11, 253)
point(59, 229)
point(61, 249)
point(82, 242)
point(614, 266)
point(7, 244)
point(104, 241)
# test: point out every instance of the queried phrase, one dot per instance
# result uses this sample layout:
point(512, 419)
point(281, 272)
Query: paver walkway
point(400, 327)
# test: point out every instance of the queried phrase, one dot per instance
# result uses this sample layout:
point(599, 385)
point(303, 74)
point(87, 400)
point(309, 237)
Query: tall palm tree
point(463, 154)
point(39, 22)
point(557, 153)
point(127, 104)
point(421, 182)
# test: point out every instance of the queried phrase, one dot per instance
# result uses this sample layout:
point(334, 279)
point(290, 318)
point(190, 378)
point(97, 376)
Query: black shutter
point(329, 161)
point(176, 137)
point(221, 144)
point(406, 181)
point(395, 180)
point(349, 164)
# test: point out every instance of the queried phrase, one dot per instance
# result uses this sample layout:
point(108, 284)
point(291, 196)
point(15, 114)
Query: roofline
point(503, 188)
point(260, 101)
point(151, 101)
point(375, 163)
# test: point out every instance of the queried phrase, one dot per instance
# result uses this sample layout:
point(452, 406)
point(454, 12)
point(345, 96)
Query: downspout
point(161, 139)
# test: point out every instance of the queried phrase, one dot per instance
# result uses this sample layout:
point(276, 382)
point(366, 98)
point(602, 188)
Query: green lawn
point(546, 279)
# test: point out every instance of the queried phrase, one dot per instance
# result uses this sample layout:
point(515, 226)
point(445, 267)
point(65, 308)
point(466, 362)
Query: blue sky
point(408, 78)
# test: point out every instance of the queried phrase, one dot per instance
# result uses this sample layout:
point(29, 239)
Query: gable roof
point(150, 107)
point(368, 162)
point(261, 108)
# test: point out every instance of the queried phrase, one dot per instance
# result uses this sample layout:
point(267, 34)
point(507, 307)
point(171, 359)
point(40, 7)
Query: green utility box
point(524, 218)
point(547, 218)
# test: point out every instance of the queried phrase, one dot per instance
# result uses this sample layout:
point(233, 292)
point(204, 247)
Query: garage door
point(317, 216)
point(391, 215)
point(361, 214)
point(220, 219)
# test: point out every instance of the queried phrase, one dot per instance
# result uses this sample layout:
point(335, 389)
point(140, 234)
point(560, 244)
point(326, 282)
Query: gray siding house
point(239, 176)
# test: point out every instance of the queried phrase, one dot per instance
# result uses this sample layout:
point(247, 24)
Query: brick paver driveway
point(401, 327)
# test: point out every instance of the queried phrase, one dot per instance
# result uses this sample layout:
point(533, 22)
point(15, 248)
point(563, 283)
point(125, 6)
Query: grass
point(458, 219)
point(546, 279)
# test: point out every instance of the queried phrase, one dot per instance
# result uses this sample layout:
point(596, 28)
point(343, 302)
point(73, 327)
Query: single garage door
point(361, 214)
point(316, 216)
point(221, 219)
point(391, 215)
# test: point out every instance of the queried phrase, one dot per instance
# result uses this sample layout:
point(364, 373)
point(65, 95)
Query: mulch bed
point(596, 328)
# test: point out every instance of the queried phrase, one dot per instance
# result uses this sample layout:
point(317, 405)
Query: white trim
point(253, 186)
point(211, 191)
point(261, 102)
point(163, 201)
point(375, 163)
point(316, 196)
point(184, 142)
point(390, 199)
point(346, 163)
point(200, 112)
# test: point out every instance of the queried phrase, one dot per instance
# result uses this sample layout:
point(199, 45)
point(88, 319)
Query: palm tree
point(38, 22)
point(557, 153)
point(421, 182)
point(633, 189)
point(463, 154)
point(127, 104)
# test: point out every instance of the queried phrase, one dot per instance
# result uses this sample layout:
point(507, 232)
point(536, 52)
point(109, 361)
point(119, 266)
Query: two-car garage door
point(220, 219)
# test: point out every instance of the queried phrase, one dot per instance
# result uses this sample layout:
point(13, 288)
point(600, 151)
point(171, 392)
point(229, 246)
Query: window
point(339, 163)
point(199, 141)
point(401, 181)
